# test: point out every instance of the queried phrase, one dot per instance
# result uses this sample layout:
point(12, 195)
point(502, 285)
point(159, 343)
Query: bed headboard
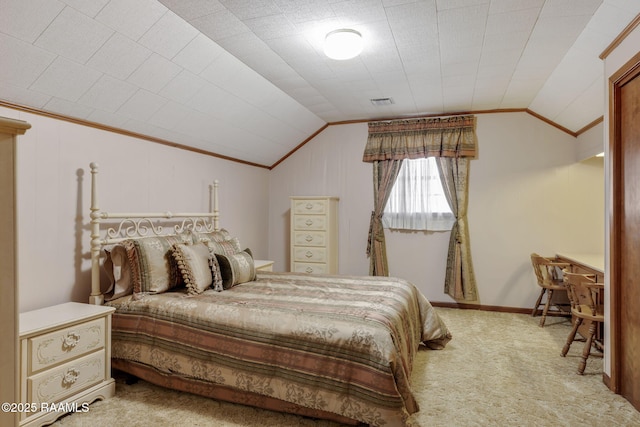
point(125, 225)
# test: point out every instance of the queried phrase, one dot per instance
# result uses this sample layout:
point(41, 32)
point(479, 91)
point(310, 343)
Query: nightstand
point(263, 265)
point(65, 360)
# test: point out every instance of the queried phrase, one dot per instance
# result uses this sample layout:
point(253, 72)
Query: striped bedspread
point(339, 344)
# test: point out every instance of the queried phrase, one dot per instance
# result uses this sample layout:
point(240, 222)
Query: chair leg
point(535, 307)
point(586, 351)
point(571, 337)
point(546, 307)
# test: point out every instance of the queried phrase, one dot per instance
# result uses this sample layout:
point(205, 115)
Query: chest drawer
point(309, 238)
point(310, 222)
point(309, 268)
point(58, 383)
point(64, 344)
point(318, 207)
point(310, 254)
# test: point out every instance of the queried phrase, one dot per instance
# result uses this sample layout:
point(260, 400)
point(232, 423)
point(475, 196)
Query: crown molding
point(168, 143)
point(620, 38)
point(120, 131)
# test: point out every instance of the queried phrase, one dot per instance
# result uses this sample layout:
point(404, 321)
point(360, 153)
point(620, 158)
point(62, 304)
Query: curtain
point(417, 201)
point(460, 280)
point(384, 176)
point(454, 141)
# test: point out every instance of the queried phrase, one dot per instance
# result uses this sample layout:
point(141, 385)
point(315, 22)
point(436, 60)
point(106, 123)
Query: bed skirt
point(218, 392)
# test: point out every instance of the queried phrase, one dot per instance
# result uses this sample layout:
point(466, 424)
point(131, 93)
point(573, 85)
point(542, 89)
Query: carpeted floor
point(500, 369)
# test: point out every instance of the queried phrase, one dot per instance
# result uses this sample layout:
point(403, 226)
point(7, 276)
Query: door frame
point(629, 71)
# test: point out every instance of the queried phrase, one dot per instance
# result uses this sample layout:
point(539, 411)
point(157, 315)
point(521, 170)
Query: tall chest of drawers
point(314, 235)
point(65, 360)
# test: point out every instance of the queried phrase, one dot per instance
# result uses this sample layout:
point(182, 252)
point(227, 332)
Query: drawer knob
point(309, 270)
point(70, 377)
point(309, 254)
point(70, 341)
point(309, 206)
point(308, 238)
point(308, 222)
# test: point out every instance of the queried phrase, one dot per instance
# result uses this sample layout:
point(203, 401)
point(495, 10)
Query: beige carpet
point(500, 369)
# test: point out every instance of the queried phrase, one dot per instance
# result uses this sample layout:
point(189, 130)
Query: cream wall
point(135, 175)
point(591, 142)
point(526, 190)
point(522, 162)
point(331, 165)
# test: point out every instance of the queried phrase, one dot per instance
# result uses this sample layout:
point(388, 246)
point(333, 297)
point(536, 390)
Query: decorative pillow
point(236, 268)
point(228, 247)
point(153, 268)
point(118, 269)
point(216, 236)
point(194, 265)
point(215, 272)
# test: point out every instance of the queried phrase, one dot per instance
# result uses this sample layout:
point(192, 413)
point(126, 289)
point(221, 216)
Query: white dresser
point(314, 235)
point(65, 360)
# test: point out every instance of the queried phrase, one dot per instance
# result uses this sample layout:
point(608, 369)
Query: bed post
point(214, 210)
point(96, 296)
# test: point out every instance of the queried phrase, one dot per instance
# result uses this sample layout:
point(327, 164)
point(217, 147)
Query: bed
point(192, 314)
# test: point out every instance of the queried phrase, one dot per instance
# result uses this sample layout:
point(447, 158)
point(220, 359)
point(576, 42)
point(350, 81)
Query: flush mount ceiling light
point(343, 44)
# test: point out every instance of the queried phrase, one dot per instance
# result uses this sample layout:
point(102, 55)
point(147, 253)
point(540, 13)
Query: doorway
point(624, 152)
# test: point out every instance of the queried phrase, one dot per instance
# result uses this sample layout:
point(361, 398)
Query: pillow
point(236, 268)
point(228, 247)
point(215, 271)
point(216, 236)
point(118, 269)
point(194, 265)
point(153, 268)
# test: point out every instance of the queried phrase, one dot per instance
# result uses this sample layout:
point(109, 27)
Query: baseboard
point(517, 310)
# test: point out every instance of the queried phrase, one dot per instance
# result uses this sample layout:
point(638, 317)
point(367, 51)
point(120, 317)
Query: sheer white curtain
point(417, 201)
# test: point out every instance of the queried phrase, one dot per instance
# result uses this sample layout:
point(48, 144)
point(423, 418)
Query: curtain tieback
point(370, 238)
point(375, 227)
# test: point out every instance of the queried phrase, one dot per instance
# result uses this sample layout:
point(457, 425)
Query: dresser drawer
point(310, 222)
point(309, 254)
point(62, 345)
point(309, 238)
point(318, 207)
point(310, 268)
point(55, 384)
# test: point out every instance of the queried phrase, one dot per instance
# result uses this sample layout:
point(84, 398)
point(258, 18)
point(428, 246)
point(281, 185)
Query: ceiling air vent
point(381, 101)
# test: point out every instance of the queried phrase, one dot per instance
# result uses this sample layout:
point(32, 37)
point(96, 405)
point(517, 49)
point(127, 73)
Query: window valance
point(418, 138)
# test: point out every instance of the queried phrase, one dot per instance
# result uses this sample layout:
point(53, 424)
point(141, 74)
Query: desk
point(587, 263)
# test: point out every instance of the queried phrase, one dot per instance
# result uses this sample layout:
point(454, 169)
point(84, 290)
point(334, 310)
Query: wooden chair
point(548, 274)
point(587, 309)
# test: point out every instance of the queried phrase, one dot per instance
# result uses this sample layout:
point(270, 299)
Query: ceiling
point(247, 79)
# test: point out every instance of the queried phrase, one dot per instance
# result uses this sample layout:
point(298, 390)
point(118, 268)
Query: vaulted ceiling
point(248, 79)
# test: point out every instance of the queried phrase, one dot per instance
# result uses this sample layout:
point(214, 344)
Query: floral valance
point(418, 138)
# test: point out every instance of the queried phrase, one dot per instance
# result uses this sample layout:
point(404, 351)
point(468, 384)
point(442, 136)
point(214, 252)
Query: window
point(417, 201)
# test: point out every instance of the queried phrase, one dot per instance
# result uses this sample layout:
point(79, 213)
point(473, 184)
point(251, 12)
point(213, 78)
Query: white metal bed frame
point(136, 225)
